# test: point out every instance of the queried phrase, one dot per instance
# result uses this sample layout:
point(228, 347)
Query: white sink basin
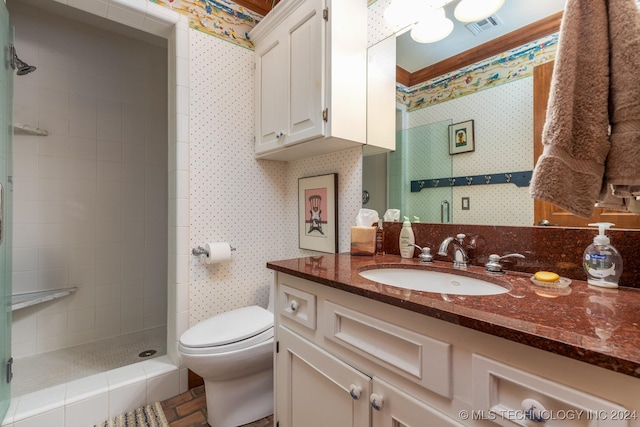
point(432, 281)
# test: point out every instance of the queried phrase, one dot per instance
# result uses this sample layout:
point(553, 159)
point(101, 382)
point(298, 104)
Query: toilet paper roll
point(217, 252)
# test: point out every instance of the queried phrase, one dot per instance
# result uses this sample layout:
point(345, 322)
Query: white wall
point(90, 198)
point(503, 129)
point(252, 204)
point(234, 197)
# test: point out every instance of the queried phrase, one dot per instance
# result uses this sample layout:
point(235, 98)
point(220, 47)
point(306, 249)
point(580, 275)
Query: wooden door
point(547, 211)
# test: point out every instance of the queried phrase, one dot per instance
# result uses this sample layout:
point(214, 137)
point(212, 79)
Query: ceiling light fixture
point(428, 18)
point(432, 27)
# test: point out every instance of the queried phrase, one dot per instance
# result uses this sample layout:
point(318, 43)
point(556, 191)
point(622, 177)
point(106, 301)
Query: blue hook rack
point(520, 179)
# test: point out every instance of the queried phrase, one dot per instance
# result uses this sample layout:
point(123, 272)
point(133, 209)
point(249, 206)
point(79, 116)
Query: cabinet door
point(270, 89)
point(305, 50)
point(398, 409)
point(314, 389)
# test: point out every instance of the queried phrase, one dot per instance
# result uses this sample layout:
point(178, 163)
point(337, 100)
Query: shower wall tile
point(88, 195)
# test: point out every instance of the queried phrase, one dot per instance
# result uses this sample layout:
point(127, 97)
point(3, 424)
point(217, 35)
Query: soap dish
point(563, 282)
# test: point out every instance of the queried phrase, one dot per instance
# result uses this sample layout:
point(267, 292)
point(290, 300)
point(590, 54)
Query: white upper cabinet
point(381, 97)
point(310, 78)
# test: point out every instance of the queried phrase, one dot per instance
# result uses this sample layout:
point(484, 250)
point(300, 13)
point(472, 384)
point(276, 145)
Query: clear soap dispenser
point(601, 261)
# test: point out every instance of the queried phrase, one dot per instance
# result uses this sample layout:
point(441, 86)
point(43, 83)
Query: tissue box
point(363, 240)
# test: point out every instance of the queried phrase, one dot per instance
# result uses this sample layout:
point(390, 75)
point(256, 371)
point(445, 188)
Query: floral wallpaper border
point(220, 18)
point(503, 68)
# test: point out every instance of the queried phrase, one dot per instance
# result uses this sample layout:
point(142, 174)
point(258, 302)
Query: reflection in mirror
point(422, 152)
point(498, 96)
point(503, 122)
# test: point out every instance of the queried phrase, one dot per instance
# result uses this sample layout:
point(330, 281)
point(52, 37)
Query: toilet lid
point(225, 328)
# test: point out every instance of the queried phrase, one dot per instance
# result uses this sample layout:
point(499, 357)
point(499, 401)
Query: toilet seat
point(233, 330)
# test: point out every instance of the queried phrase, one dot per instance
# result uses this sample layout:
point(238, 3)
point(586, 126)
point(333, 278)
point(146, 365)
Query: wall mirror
point(502, 114)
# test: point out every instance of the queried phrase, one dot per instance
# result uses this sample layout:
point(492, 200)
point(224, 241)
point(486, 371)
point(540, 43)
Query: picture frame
point(318, 213)
point(461, 138)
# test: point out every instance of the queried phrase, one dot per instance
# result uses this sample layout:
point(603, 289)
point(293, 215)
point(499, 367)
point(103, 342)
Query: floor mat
point(146, 416)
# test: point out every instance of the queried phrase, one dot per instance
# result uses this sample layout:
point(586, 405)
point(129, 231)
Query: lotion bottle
point(601, 261)
point(407, 239)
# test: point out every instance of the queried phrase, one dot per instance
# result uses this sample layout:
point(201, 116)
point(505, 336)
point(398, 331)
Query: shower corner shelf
point(21, 129)
point(28, 299)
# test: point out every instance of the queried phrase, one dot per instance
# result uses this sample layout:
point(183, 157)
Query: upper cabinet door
point(306, 84)
point(270, 66)
point(312, 100)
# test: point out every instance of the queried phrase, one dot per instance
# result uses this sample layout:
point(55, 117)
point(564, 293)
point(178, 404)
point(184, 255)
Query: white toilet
point(233, 353)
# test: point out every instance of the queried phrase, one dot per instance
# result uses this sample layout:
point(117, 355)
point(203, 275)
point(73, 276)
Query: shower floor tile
point(60, 366)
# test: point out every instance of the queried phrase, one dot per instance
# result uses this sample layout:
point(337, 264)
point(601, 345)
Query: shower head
point(22, 67)
point(25, 69)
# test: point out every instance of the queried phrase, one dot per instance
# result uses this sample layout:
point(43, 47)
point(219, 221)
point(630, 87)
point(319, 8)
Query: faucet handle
point(460, 237)
point(494, 266)
point(425, 256)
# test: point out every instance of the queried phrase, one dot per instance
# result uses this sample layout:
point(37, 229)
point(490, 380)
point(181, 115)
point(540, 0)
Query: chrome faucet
point(460, 257)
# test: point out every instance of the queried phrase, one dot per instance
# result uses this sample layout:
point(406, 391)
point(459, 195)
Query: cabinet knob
point(533, 410)
point(376, 401)
point(355, 391)
point(279, 134)
point(294, 305)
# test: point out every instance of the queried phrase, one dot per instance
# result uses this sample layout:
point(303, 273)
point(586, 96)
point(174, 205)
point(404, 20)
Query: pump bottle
point(601, 261)
point(407, 239)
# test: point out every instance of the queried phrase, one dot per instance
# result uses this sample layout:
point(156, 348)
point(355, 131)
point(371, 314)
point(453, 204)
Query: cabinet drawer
point(297, 305)
point(421, 359)
point(511, 397)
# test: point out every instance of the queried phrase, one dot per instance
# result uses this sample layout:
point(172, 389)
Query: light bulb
point(432, 27)
point(475, 10)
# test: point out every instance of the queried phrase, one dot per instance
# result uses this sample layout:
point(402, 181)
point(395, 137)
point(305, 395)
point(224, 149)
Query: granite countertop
point(594, 325)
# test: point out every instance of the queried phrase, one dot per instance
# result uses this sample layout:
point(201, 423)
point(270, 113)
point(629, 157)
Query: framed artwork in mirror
point(318, 213)
point(461, 137)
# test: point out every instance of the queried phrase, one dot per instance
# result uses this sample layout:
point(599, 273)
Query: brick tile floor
point(189, 409)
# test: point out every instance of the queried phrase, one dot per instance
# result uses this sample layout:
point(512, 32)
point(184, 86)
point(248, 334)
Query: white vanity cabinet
point(346, 360)
point(310, 78)
point(321, 390)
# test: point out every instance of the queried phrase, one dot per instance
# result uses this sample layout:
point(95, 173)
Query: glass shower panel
point(6, 190)
point(422, 153)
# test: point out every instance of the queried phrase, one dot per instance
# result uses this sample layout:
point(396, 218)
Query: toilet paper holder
point(202, 251)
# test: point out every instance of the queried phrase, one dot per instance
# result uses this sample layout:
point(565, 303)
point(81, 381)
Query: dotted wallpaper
point(234, 197)
point(503, 123)
point(378, 29)
point(252, 204)
point(348, 165)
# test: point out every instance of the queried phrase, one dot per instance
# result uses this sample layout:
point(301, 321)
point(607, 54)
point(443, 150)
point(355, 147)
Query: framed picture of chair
point(318, 213)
